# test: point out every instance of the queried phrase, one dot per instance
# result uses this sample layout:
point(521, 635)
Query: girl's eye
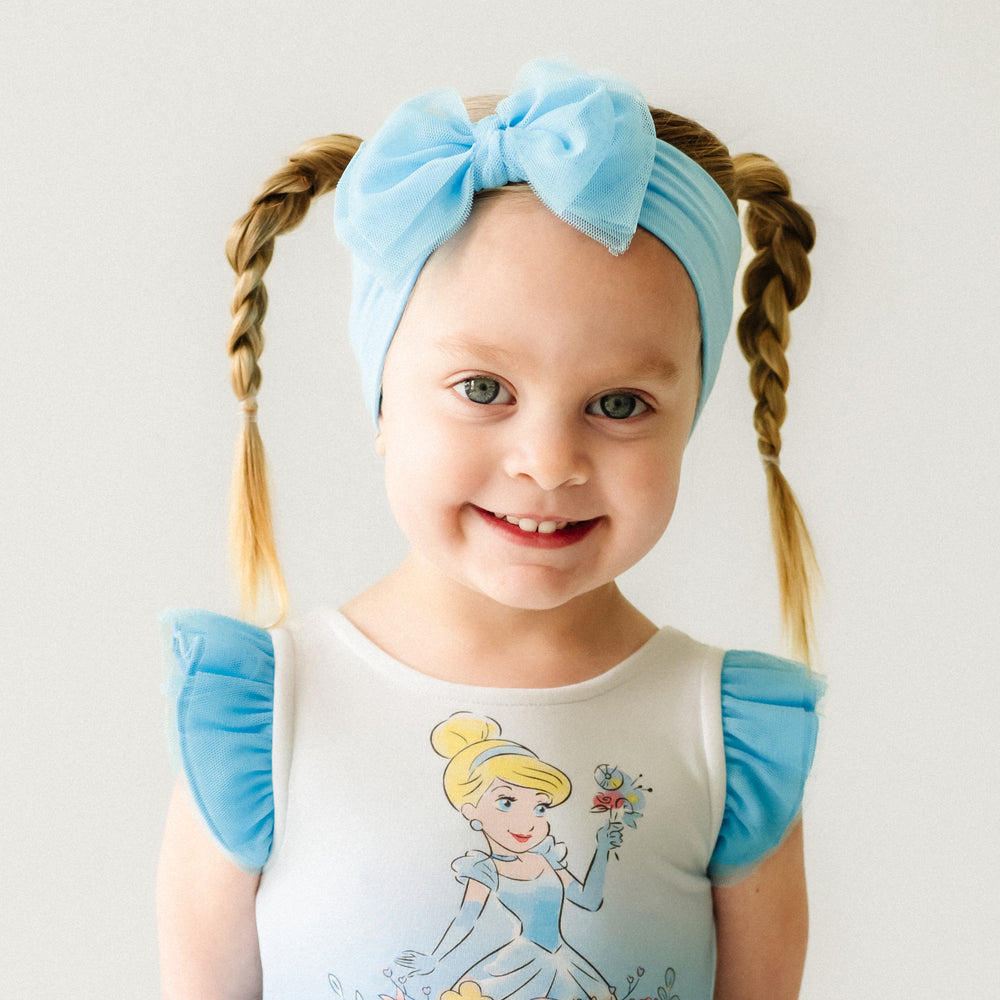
point(618, 406)
point(504, 804)
point(541, 809)
point(482, 389)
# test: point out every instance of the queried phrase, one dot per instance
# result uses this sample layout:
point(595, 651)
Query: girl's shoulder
point(220, 691)
point(769, 725)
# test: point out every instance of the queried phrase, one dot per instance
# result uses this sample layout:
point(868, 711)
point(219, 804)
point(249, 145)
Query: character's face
point(537, 399)
point(513, 817)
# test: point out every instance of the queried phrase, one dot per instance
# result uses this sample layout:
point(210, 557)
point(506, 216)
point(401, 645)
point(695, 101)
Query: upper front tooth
point(530, 524)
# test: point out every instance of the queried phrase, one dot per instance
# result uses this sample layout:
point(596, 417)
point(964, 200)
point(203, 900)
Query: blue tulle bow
point(584, 143)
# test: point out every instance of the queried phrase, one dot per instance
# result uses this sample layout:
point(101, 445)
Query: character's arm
point(205, 910)
point(590, 894)
point(761, 928)
point(458, 930)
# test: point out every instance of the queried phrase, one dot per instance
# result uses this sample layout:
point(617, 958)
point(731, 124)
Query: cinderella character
point(505, 793)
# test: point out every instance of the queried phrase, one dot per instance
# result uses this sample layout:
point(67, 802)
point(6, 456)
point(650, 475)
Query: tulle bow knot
point(585, 144)
point(493, 158)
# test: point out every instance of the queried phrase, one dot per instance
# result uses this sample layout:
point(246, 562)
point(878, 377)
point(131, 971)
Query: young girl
point(542, 290)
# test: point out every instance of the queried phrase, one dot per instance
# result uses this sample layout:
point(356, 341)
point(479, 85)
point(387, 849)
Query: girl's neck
point(447, 631)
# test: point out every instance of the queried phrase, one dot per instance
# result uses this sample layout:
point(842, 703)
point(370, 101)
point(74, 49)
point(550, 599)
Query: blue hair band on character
point(504, 750)
point(587, 147)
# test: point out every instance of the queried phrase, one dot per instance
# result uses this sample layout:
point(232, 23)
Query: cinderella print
point(514, 950)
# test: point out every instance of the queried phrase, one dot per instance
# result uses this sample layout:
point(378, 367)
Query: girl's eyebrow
point(656, 367)
point(461, 348)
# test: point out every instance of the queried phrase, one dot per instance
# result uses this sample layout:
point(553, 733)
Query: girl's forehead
point(499, 211)
point(514, 252)
point(518, 291)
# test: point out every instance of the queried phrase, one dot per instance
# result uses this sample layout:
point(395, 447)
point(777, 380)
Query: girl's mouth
point(536, 532)
point(521, 838)
point(530, 524)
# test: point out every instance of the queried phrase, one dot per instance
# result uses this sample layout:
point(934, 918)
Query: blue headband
point(586, 145)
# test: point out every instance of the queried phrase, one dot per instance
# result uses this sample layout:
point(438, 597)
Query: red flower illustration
point(605, 801)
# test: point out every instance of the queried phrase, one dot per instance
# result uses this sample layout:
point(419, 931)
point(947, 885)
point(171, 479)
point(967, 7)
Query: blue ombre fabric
point(221, 686)
point(587, 147)
point(769, 729)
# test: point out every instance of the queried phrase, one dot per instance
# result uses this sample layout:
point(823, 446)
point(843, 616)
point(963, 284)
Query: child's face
point(520, 338)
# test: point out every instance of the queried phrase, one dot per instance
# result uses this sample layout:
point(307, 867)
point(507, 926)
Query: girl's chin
point(528, 586)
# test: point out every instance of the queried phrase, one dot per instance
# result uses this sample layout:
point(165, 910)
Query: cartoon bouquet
point(621, 796)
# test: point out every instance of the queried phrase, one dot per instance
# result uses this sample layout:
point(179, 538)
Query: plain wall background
point(134, 134)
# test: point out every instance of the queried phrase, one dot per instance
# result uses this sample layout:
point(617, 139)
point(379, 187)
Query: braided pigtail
point(312, 170)
point(776, 282)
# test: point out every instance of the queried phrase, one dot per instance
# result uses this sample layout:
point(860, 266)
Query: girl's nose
point(549, 450)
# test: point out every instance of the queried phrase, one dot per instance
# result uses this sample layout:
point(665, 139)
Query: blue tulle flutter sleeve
point(222, 688)
point(769, 726)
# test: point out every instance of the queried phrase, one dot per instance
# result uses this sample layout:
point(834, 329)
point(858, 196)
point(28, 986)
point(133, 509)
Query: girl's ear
point(466, 811)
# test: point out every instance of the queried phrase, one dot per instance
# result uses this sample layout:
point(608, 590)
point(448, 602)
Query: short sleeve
point(769, 727)
point(220, 692)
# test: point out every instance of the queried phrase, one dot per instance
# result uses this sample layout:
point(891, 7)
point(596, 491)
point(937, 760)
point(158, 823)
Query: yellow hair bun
point(462, 730)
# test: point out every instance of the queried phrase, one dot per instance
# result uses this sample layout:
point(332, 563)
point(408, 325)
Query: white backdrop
point(134, 134)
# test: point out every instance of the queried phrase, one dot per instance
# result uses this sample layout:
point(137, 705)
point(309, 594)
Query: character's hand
point(416, 962)
point(610, 836)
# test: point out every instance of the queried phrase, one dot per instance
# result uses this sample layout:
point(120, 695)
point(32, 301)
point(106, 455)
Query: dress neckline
point(655, 652)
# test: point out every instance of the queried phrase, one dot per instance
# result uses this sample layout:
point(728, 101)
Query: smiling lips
point(538, 533)
point(521, 838)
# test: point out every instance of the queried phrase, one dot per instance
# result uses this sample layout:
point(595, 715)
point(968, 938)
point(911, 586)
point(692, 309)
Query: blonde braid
point(776, 282)
point(312, 170)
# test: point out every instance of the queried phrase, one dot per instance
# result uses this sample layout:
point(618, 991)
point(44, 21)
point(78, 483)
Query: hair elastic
point(248, 408)
point(587, 146)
